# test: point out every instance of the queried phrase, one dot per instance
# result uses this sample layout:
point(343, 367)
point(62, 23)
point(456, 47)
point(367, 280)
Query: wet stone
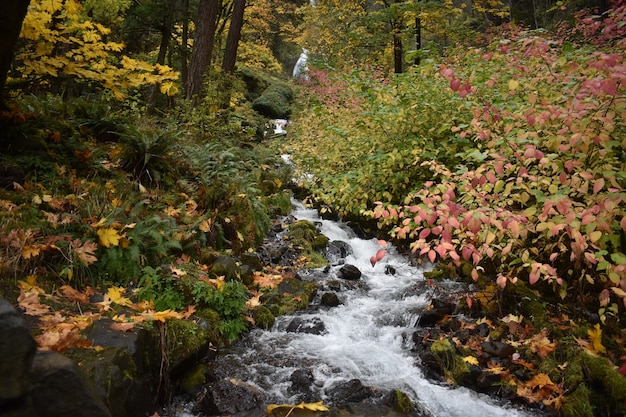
point(350, 391)
point(330, 299)
point(349, 272)
point(300, 325)
point(499, 349)
point(227, 397)
point(336, 252)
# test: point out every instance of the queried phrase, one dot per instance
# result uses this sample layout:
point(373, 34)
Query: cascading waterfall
point(367, 337)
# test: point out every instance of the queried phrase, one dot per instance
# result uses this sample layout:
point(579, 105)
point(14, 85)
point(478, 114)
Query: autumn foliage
point(506, 162)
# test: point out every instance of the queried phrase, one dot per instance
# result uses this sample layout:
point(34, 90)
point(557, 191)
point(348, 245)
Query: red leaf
point(455, 84)
point(432, 255)
point(598, 185)
point(380, 254)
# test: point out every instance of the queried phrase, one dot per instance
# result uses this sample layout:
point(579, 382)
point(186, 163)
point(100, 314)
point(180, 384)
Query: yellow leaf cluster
point(58, 38)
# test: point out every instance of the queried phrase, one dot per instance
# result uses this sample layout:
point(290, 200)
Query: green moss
point(263, 318)
point(302, 229)
point(319, 242)
point(402, 402)
point(450, 363)
point(315, 260)
point(549, 367)
point(194, 378)
point(185, 337)
point(578, 403)
point(601, 371)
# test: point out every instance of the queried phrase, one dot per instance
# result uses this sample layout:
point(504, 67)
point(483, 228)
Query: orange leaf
point(123, 327)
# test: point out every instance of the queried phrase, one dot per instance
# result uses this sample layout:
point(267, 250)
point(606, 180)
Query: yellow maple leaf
point(30, 251)
point(116, 296)
point(596, 339)
point(318, 406)
point(108, 237)
point(472, 360)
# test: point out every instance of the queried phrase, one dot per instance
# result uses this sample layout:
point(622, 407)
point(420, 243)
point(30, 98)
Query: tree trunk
point(166, 36)
point(234, 33)
point(184, 51)
point(418, 39)
point(202, 46)
point(11, 18)
point(398, 50)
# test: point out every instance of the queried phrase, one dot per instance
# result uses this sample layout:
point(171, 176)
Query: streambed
point(361, 346)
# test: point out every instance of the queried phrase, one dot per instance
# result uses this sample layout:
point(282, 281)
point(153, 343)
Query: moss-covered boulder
point(225, 266)
point(263, 318)
point(275, 102)
point(292, 294)
point(451, 364)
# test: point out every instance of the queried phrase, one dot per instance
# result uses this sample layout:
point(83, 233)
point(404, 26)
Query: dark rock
point(330, 299)
point(301, 382)
point(390, 270)
point(336, 252)
point(312, 326)
point(350, 391)
point(252, 260)
point(17, 350)
point(349, 272)
point(496, 348)
point(60, 388)
point(225, 266)
point(227, 397)
point(437, 311)
point(482, 329)
point(138, 342)
point(10, 175)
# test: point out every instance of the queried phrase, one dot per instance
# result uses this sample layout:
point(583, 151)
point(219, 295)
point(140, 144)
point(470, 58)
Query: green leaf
point(619, 258)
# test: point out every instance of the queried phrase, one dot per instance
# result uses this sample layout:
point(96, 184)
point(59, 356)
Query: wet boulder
point(301, 382)
point(496, 348)
point(350, 391)
point(349, 272)
point(59, 388)
point(436, 312)
point(227, 397)
point(336, 252)
point(330, 299)
point(311, 326)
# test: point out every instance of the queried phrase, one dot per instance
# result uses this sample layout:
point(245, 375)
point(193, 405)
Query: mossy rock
point(302, 229)
point(594, 383)
point(275, 102)
point(193, 380)
point(451, 364)
point(186, 343)
point(292, 294)
point(401, 402)
point(225, 266)
point(263, 318)
point(209, 321)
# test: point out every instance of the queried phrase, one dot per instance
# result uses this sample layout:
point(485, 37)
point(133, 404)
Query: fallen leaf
point(472, 360)
point(116, 296)
point(108, 237)
point(74, 295)
point(318, 406)
point(541, 345)
point(123, 327)
point(596, 339)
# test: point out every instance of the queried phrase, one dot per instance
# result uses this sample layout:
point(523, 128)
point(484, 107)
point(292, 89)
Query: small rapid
point(367, 337)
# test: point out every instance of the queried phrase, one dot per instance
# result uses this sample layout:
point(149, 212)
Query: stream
point(367, 337)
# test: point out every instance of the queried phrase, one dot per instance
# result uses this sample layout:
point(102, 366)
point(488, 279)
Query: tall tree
point(11, 19)
point(234, 34)
point(202, 46)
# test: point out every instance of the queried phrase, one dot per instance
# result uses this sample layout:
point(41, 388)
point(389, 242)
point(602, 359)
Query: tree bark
point(184, 52)
point(11, 18)
point(234, 34)
point(398, 50)
point(202, 47)
point(166, 35)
